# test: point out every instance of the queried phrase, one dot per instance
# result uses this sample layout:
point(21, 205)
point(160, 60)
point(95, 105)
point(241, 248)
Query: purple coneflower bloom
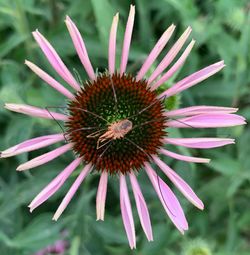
point(116, 124)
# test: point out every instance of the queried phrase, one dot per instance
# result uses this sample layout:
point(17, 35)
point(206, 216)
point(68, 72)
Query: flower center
point(116, 123)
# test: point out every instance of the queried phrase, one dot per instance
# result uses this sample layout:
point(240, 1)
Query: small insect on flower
point(116, 130)
point(116, 123)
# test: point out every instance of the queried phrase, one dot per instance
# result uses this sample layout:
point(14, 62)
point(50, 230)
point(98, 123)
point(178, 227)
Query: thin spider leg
point(79, 129)
point(83, 110)
point(57, 122)
point(99, 147)
point(115, 96)
point(95, 134)
point(147, 107)
point(110, 141)
point(94, 114)
point(160, 119)
point(158, 178)
point(147, 122)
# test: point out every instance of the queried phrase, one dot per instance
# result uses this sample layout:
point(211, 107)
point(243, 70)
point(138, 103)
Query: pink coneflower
point(116, 124)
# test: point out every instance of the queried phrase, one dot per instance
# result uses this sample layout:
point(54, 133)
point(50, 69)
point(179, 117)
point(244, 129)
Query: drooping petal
point(199, 143)
point(193, 79)
point(127, 39)
point(72, 191)
point(49, 80)
point(112, 44)
point(54, 185)
point(155, 52)
point(32, 144)
point(40, 160)
point(80, 47)
point(179, 183)
point(183, 157)
point(212, 120)
point(196, 110)
point(141, 207)
point(170, 55)
point(101, 196)
point(126, 211)
point(35, 111)
point(55, 60)
point(179, 63)
point(168, 200)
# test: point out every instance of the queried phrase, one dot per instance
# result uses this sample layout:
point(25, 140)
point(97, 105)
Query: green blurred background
point(221, 29)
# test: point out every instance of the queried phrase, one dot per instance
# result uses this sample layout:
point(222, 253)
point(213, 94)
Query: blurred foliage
point(221, 29)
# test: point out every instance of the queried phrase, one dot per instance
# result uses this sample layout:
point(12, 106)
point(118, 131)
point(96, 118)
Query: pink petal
point(196, 110)
point(155, 52)
point(170, 55)
point(112, 44)
point(101, 196)
point(179, 63)
point(127, 39)
point(72, 191)
point(48, 79)
point(55, 60)
point(35, 111)
point(168, 200)
point(80, 47)
point(40, 160)
point(212, 120)
point(54, 185)
point(32, 144)
point(200, 143)
point(193, 79)
point(184, 158)
point(141, 207)
point(126, 211)
point(179, 183)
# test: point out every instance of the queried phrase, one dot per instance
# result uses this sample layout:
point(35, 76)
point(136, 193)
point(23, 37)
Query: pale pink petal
point(55, 60)
point(48, 79)
point(40, 160)
point(127, 39)
point(112, 44)
point(179, 63)
point(213, 120)
point(184, 158)
point(193, 79)
point(126, 211)
point(168, 200)
point(72, 191)
point(200, 143)
point(155, 52)
point(141, 207)
point(196, 110)
point(35, 111)
point(80, 47)
point(179, 183)
point(32, 144)
point(54, 185)
point(170, 55)
point(101, 196)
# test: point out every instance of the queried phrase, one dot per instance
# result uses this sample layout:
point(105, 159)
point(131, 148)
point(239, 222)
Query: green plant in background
point(222, 32)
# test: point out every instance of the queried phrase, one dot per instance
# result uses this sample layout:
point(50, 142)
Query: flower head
point(116, 123)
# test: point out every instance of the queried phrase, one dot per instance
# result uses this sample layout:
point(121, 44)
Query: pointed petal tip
point(20, 168)
point(99, 219)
